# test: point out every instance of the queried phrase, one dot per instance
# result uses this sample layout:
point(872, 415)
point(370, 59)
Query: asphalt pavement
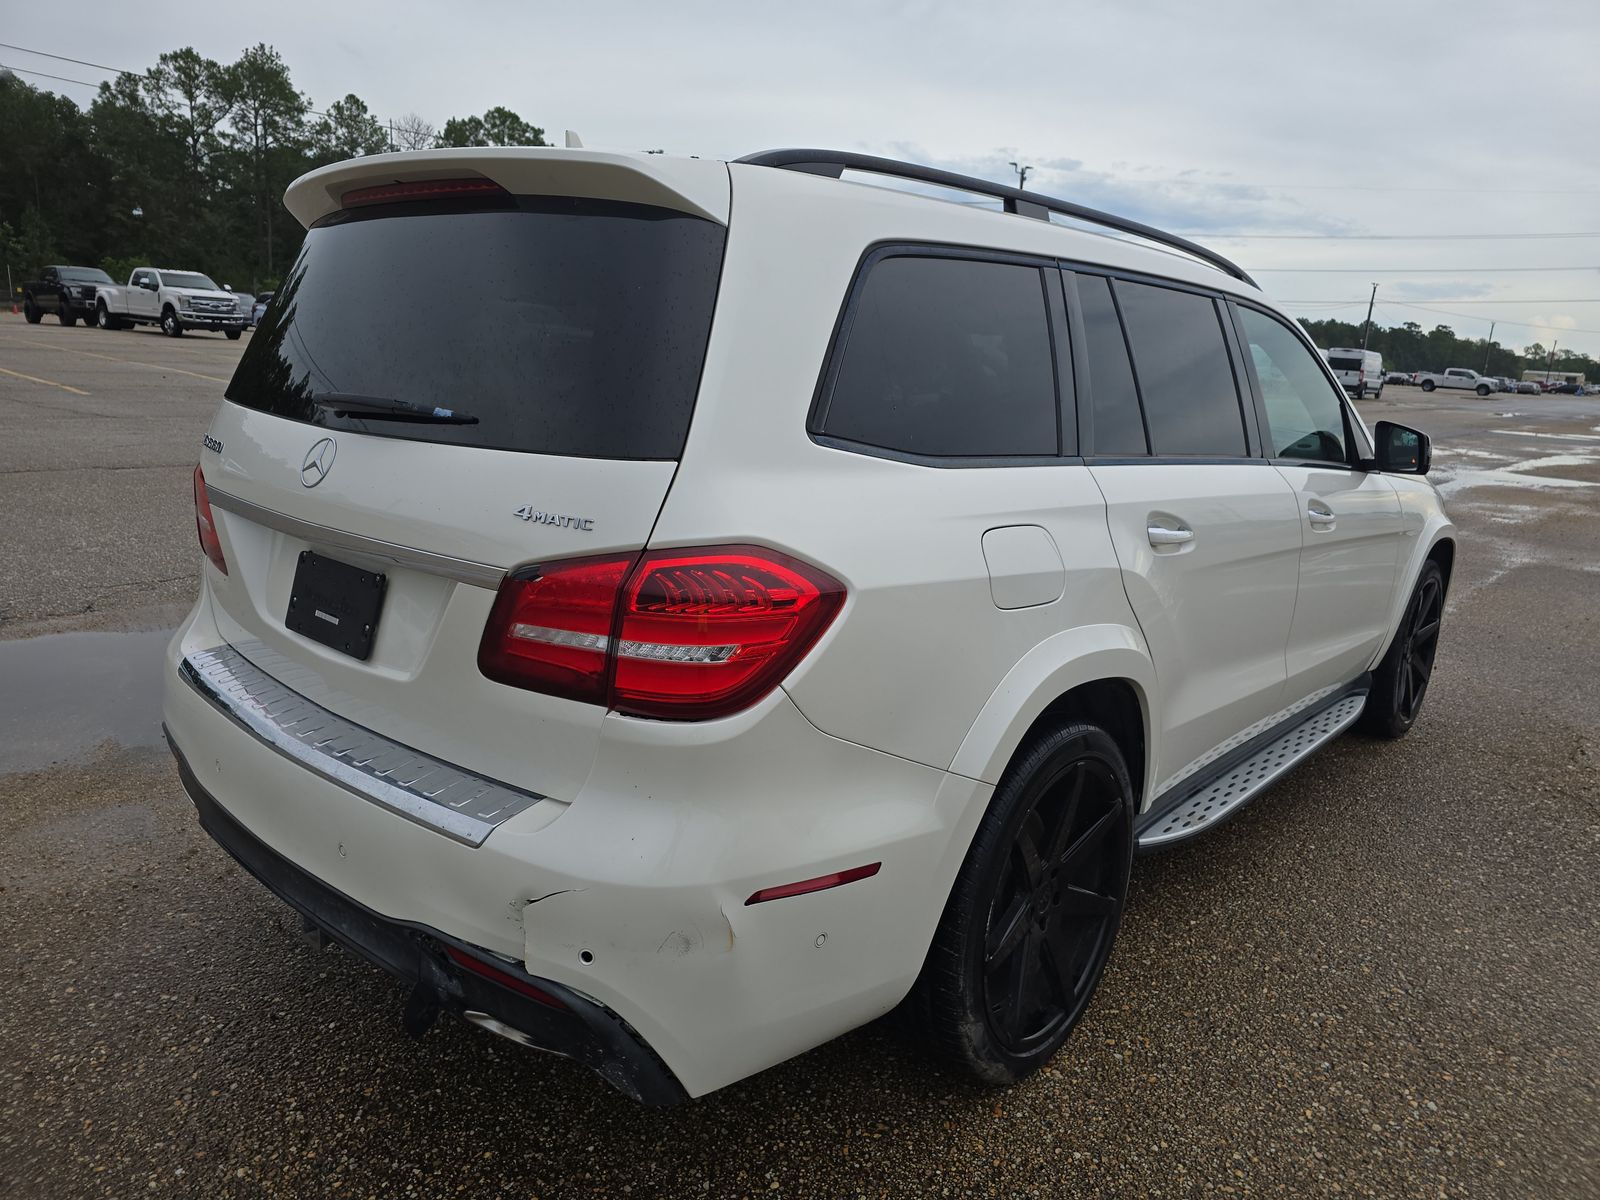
point(1380, 980)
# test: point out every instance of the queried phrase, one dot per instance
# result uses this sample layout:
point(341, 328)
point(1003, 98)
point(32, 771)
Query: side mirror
point(1402, 450)
point(227, 287)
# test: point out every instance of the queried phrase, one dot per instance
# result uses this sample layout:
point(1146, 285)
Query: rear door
point(1204, 529)
point(1350, 518)
point(539, 358)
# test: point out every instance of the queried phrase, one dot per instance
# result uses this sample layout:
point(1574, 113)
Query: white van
point(1358, 370)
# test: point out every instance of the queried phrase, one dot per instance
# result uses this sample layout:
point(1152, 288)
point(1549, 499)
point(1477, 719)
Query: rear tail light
point(676, 634)
point(503, 977)
point(206, 525)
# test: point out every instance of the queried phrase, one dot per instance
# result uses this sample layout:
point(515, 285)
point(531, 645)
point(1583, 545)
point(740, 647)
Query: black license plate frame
point(336, 604)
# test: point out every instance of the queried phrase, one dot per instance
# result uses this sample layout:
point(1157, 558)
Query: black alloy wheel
point(1400, 683)
point(1031, 920)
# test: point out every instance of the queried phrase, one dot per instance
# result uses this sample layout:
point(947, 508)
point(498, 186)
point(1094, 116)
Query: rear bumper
point(565, 1023)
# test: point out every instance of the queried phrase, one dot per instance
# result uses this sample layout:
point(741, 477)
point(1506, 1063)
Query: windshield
point(184, 279)
point(84, 275)
point(565, 326)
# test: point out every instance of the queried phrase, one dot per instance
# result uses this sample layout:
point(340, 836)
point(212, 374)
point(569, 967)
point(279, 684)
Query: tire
point(1400, 683)
point(1482, 390)
point(1378, 395)
point(1361, 391)
point(1033, 914)
point(65, 315)
point(170, 324)
point(103, 317)
point(232, 334)
point(30, 313)
point(1428, 385)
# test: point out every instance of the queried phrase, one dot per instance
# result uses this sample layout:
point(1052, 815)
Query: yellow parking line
point(132, 362)
point(46, 382)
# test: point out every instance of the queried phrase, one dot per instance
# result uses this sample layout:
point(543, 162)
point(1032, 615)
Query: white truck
point(175, 300)
point(1457, 377)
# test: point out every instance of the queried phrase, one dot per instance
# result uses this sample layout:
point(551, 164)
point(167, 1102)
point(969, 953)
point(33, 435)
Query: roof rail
point(834, 163)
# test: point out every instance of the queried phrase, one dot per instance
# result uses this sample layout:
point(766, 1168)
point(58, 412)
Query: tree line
point(186, 165)
point(1406, 347)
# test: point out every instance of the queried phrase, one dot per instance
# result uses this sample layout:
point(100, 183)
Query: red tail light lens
point(677, 634)
point(550, 629)
point(206, 525)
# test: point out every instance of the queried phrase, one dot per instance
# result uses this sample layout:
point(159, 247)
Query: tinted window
point(1118, 428)
point(1191, 403)
point(571, 327)
point(85, 275)
point(947, 357)
point(1345, 364)
point(1305, 418)
point(187, 279)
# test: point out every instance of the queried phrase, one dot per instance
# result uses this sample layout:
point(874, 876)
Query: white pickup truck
point(174, 300)
point(1457, 377)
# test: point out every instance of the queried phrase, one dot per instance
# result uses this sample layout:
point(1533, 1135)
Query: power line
point(1370, 187)
point(47, 75)
point(63, 58)
point(1387, 237)
point(1500, 320)
point(1470, 300)
point(1408, 270)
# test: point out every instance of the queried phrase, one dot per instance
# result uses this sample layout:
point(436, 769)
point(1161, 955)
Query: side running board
point(1213, 802)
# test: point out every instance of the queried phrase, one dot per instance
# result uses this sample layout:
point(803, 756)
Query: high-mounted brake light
point(675, 634)
point(206, 525)
point(427, 189)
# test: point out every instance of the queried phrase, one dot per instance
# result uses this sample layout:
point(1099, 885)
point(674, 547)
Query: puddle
point(64, 694)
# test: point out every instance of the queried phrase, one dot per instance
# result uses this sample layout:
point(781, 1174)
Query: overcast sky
point(1396, 118)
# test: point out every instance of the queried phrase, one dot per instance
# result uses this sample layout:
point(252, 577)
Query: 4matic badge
point(562, 520)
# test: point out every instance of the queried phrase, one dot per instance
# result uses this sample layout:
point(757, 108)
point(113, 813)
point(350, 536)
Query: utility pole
point(1022, 175)
point(1551, 361)
point(1367, 328)
point(1487, 347)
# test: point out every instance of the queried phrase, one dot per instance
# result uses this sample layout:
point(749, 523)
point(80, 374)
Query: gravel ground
point(1378, 981)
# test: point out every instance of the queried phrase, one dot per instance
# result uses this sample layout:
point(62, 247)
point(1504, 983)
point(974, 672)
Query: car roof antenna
point(574, 142)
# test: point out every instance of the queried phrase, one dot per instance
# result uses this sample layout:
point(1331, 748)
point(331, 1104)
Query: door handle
point(1320, 515)
point(1160, 535)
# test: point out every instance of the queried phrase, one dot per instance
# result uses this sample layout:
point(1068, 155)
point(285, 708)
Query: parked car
point(258, 310)
point(175, 300)
point(1528, 387)
point(68, 292)
point(1396, 377)
point(1457, 377)
point(1563, 388)
point(495, 686)
point(1358, 371)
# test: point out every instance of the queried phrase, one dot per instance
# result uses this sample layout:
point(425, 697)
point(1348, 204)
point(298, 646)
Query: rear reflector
point(675, 634)
point(427, 189)
point(819, 884)
point(206, 525)
point(495, 975)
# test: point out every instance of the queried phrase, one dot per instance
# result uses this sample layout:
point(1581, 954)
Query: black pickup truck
point(68, 292)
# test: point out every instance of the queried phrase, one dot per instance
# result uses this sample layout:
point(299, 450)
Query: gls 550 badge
point(212, 443)
point(562, 520)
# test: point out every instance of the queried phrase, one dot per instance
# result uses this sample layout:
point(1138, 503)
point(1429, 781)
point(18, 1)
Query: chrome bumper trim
point(417, 786)
point(462, 570)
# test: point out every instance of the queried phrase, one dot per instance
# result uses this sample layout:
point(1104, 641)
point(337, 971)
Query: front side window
point(947, 357)
point(1305, 418)
point(1191, 402)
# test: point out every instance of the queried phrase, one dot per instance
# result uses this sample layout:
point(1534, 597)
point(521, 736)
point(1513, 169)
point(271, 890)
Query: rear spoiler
point(691, 185)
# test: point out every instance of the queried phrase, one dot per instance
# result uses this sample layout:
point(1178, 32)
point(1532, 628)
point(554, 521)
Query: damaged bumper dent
point(447, 975)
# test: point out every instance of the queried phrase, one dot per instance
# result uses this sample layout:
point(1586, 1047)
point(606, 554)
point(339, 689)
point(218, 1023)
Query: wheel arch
point(1098, 673)
point(1435, 543)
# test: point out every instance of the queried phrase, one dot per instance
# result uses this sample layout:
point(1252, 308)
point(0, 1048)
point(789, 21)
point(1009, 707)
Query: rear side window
point(1191, 402)
point(947, 357)
point(1118, 428)
point(564, 326)
point(1344, 364)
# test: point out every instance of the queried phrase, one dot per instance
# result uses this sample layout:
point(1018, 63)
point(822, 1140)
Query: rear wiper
point(379, 408)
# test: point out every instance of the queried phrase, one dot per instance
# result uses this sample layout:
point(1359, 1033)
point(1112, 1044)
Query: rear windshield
point(1345, 364)
point(565, 326)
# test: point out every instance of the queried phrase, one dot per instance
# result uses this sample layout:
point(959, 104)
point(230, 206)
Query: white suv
point(668, 611)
